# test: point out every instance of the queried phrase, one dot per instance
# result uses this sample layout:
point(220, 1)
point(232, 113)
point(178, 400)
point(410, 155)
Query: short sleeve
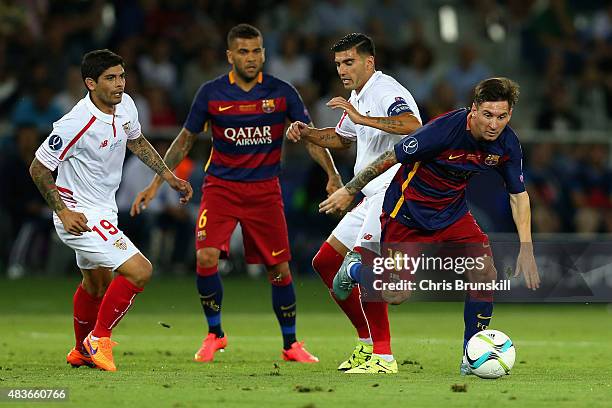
point(425, 143)
point(346, 128)
point(58, 146)
point(198, 114)
point(296, 110)
point(512, 169)
point(133, 130)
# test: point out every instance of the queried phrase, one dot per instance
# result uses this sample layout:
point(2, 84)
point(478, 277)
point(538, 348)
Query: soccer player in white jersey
point(87, 147)
point(378, 114)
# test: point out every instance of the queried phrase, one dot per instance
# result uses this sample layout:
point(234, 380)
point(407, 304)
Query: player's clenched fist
point(182, 187)
point(75, 223)
point(297, 130)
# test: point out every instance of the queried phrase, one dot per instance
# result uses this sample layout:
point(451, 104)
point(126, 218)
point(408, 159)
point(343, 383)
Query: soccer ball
point(490, 354)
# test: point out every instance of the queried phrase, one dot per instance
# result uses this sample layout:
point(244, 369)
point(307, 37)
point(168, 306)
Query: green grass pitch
point(563, 352)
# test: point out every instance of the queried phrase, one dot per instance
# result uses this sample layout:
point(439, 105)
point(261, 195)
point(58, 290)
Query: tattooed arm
point(74, 222)
point(177, 151)
point(402, 124)
point(149, 156)
point(341, 199)
point(326, 137)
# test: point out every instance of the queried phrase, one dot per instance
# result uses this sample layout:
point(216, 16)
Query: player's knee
point(141, 274)
point(279, 275)
point(487, 273)
point(95, 282)
point(318, 261)
point(324, 257)
point(95, 289)
point(207, 257)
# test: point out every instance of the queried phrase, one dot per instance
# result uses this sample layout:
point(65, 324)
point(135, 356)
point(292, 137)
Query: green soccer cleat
point(361, 354)
point(343, 283)
point(375, 365)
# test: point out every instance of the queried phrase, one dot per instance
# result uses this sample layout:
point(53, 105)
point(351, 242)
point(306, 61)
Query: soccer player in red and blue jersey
point(247, 111)
point(426, 200)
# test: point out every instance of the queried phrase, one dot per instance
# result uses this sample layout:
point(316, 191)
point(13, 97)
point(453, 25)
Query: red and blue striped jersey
point(247, 127)
point(428, 190)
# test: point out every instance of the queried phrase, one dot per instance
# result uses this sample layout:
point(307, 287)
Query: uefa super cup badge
point(267, 105)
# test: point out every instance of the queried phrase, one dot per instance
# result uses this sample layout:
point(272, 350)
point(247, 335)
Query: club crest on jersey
point(120, 244)
point(267, 105)
point(126, 127)
point(492, 160)
point(55, 142)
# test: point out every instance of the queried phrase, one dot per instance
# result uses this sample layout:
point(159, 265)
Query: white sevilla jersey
point(381, 96)
point(87, 147)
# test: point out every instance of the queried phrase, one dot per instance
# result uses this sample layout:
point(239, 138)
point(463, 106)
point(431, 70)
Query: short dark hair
point(496, 89)
point(242, 31)
point(364, 44)
point(95, 62)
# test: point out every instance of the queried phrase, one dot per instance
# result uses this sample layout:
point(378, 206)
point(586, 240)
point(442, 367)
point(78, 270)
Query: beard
point(245, 76)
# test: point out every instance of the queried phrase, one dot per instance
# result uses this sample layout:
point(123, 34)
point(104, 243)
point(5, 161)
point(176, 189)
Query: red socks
point(115, 304)
point(326, 263)
point(85, 312)
point(377, 313)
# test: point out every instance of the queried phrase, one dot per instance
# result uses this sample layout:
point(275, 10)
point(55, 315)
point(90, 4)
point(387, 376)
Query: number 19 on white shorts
point(105, 246)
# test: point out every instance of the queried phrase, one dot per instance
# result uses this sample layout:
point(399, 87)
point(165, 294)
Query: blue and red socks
point(283, 302)
point(477, 313)
point(210, 289)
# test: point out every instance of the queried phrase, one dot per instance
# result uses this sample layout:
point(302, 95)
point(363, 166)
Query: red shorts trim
point(257, 206)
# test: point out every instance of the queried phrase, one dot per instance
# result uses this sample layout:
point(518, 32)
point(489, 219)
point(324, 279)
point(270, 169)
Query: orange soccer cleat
point(298, 353)
point(210, 345)
point(77, 359)
point(101, 352)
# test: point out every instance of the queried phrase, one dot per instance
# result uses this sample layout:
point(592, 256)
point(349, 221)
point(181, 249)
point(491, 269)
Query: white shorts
point(361, 226)
point(105, 246)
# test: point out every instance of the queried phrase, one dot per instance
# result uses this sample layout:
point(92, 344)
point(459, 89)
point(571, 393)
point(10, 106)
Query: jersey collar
point(104, 117)
point(368, 84)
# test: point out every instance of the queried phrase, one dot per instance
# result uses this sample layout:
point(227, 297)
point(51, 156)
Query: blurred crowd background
point(559, 51)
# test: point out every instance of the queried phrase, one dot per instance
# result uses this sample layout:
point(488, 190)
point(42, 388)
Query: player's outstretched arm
point(402, 124)
point(325, 137)
point(341, 199)
point(525, 265)
point(74, 222)
point(149, 156)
